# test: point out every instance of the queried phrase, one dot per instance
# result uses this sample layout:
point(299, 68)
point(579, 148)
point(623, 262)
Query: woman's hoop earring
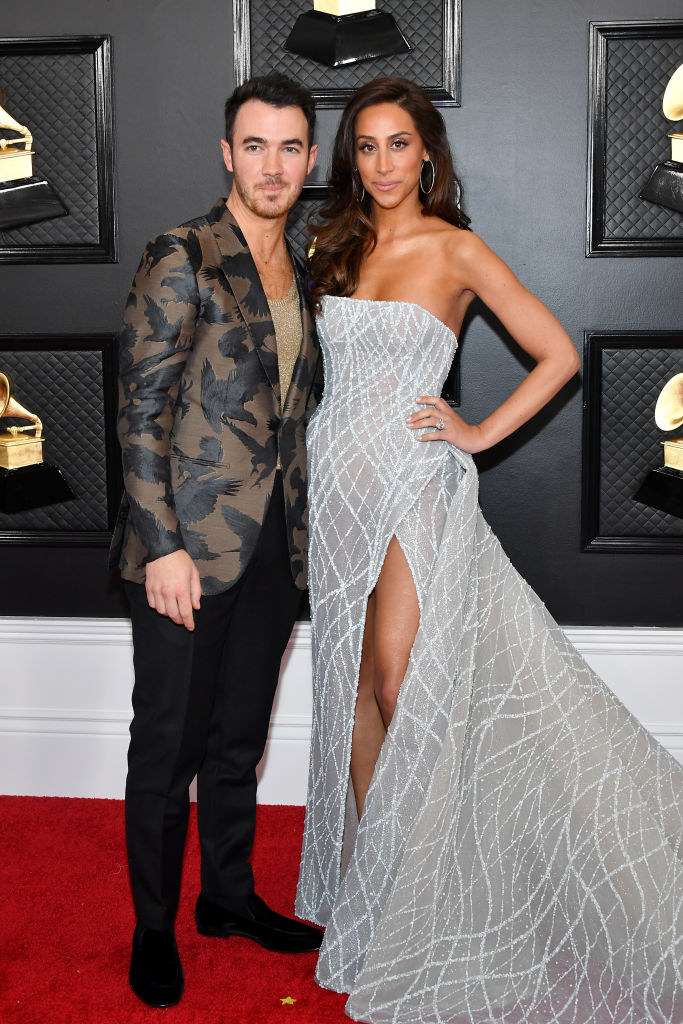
point(360, 197)
point(426, 191)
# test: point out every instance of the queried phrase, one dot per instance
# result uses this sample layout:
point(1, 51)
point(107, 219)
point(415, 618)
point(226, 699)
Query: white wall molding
point(102, 632)
point(650, 641)
point(65, 689)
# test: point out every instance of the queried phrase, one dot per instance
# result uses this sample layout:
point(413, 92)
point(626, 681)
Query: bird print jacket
point(200, 421)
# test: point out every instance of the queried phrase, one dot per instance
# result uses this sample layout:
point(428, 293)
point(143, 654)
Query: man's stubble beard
point(269, 209)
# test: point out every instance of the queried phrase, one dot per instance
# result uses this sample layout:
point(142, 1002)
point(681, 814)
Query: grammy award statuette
point(338, 32)
point(24, 198)
point(665, 184)
point(662, 488)
point(26, 481)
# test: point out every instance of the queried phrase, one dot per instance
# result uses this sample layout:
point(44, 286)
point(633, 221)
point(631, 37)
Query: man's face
point(269, 157)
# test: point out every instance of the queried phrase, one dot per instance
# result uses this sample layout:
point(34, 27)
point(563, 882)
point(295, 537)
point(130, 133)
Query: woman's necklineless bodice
point(398, 302)
point(388, 349)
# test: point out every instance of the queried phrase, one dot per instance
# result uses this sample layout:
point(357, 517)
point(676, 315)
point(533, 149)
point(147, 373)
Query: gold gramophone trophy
point(340, 32)
point(25, 480)
point(24, 198)
point(665, 184)
point(662, 488)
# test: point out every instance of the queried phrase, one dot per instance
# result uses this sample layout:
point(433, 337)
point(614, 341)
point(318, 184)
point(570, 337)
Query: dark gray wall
point(520, 143)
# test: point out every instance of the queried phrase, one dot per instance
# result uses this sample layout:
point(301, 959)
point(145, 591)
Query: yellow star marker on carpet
point(287, 1001)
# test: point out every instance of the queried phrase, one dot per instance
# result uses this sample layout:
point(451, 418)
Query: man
point(217, 362)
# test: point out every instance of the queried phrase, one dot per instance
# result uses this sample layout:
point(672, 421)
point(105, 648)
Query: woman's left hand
point(446, 424)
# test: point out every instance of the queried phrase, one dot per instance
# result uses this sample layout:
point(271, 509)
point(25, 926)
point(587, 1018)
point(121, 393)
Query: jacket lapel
point(304, 367)
point(239, 268)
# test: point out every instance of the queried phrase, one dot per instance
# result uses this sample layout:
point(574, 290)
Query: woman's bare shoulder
point(452, 241)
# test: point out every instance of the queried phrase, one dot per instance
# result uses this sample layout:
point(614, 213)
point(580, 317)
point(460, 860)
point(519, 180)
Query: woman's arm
point(535, 330)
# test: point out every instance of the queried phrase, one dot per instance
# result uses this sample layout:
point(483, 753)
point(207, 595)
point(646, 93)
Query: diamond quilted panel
point(53, 95)
point(65, 389)
point(272, 21)
point(636, 135)
point(630, 439)
point(296, 226)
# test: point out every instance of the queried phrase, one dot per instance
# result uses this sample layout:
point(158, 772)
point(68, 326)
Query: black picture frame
point(37, 76)
point(451, 387)
point(624, 147)
point(311, 196)
point(339, 83)
point(70, 382)
point(623, 375)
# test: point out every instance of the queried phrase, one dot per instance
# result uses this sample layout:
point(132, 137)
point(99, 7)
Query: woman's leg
point(391, 623)
point(368, 727)
point(397, 617)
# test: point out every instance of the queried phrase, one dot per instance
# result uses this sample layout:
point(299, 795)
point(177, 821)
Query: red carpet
point(66, 924)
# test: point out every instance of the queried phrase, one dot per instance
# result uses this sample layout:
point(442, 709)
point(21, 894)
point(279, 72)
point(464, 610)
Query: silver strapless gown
point(520, 857)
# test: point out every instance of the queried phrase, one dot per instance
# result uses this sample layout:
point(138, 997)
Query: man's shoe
point(156, 974)
point(274, 931)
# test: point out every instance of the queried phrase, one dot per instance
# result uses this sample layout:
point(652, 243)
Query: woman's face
point(389, 154)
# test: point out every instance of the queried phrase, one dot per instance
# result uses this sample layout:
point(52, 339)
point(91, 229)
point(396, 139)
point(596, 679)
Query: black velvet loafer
point(156, 974)
point(273, 931)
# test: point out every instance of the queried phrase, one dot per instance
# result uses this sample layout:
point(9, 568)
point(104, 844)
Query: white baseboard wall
point(65, 688)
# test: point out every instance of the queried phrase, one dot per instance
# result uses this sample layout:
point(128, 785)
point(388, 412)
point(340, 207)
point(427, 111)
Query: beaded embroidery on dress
point(520, 856)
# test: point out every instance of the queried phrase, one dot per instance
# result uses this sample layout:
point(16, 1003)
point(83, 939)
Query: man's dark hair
point(275, 89)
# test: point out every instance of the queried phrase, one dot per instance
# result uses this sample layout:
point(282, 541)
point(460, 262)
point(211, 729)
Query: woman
point(490, 835)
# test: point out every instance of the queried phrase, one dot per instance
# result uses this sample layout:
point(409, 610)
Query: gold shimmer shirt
point(286, 316)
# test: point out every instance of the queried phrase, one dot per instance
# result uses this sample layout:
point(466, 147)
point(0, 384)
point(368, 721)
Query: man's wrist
point(168, 546)
point(179, 552)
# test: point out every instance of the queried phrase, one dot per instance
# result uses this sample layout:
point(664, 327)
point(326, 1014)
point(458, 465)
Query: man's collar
point(231, 238)
point(227, 231)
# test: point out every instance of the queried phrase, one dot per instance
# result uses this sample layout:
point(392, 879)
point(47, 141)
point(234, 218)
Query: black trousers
point(201, 706)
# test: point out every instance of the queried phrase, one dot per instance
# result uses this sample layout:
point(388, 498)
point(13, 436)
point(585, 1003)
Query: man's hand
point(173, 587)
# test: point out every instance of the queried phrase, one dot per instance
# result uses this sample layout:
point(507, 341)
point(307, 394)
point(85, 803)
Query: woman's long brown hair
point(344, 234)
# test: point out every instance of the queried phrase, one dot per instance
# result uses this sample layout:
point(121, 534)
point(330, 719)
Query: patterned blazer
point(199, 421)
